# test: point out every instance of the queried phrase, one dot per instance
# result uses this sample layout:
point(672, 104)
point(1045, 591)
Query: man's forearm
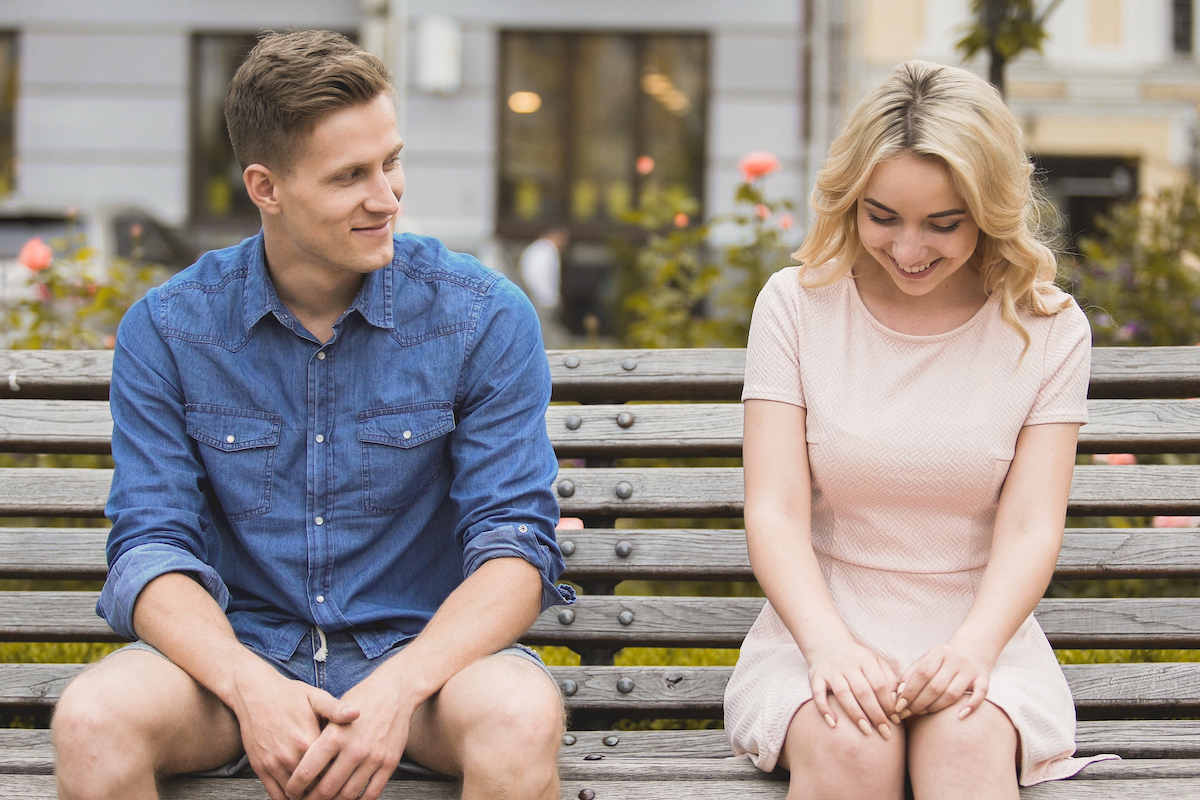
point(486, 613)
point(178, 617)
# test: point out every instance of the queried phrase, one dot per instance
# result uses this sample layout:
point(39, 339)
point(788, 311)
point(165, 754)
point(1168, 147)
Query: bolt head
point(611, 741)
point(573, 422)
point(566, 488)
point(589, 794)
point(569, 688)
point(624, 490)
point(625, 618)
point(566, 616)
point(625, 419)
point(625, 685)
point(629, 365)
point(567, 547)
point(569, 739)
point(571, 362)
point(624, 548)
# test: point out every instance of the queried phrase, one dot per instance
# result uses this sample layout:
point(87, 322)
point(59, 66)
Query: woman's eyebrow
point(951, 212)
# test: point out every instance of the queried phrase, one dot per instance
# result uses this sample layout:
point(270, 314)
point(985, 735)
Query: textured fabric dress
point(909, 441)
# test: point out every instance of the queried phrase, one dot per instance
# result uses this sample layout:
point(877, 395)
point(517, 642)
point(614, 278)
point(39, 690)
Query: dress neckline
point(976, 318)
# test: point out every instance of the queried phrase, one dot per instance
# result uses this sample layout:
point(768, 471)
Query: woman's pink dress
point(909, 442)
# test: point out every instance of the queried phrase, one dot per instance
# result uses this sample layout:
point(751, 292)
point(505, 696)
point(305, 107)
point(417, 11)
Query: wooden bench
point(653, 404)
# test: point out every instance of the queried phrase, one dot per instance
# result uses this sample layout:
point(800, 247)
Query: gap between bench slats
point(648, 491)
point(1108, 690)
point(641, 620)
point(660, 553)
point(610, 431)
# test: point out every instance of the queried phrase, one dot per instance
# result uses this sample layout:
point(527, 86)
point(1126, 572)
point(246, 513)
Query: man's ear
point(262, 185)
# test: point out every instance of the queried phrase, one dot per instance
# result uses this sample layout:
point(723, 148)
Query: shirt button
point(319, 520)
point(321, 356)
point(408, 434)
point(320, 438)
point(523, 528)
point(230, 438)
point(320, 598)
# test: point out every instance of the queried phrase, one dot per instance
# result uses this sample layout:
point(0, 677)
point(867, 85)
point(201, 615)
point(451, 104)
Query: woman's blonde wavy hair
point(950, 114)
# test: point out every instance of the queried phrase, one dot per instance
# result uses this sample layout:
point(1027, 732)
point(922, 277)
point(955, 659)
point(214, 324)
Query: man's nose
point(383, 197)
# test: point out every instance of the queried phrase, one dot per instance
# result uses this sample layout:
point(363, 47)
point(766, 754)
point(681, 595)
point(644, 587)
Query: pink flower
point(756, 165)
point(569, 524)
point(681, 220)
point(761, 211)
point(786, 221)
point(1176, 522)
point(36, 255)
point(645, 165)
point(43, 292)
point(1115, 459)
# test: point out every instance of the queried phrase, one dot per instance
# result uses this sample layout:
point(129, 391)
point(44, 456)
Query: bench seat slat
point(653, 492)
point(680, 621)
point(660, 553)
point(66, 374)
point(1126, 426)
point(1100, 690)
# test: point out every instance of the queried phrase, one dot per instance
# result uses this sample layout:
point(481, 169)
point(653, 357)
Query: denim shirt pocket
point(403, 453)
point(238, 454)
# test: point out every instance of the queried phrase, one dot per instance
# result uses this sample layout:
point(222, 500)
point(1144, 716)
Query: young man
point(331, 509)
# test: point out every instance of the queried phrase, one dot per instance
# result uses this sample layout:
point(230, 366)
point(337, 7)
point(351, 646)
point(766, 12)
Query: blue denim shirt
point(351, 485)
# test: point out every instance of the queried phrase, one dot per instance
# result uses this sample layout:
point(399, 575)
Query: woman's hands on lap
point(862, 682)
point(940, 678)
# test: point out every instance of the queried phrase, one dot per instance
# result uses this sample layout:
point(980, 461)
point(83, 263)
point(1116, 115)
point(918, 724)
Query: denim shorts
point(343, 667)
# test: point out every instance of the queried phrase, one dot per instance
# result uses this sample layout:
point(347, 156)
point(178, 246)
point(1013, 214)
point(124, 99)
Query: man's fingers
point(318, 757)
point(328, 707)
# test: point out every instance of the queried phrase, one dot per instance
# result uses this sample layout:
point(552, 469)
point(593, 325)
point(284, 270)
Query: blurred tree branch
point(1005, 29)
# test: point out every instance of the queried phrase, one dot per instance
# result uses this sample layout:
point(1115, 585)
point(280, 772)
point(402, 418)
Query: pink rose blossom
point(756, 165)
point(681, 220)
point(786, 221)
point(1176, 522)
point(761, 211)
point(645, 165)
point(36, 255)
point(1115, 459)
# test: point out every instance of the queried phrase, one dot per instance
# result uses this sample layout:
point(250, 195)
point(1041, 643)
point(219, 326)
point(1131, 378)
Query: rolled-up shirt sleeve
point(156, 503)
point(504, 464)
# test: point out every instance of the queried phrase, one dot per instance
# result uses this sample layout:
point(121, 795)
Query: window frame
point(602, 229)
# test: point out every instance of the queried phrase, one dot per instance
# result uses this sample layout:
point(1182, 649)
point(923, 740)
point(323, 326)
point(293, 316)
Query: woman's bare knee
point(950, 757)
point(840, 762)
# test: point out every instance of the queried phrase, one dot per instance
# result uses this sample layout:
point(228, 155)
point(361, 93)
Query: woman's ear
point(262, 185)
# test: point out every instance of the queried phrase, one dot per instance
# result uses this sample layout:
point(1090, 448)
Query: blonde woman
point(913, 396)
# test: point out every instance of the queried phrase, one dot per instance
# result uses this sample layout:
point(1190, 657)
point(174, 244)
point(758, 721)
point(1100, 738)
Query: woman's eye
point(947, 228)
point(880, 220)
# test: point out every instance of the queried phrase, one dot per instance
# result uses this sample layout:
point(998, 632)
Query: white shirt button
point(320, 598)
point(408, 434)
point(319, 520)
point(320, 438)
point(230, 438)
point(523, 528)
point(321, 356)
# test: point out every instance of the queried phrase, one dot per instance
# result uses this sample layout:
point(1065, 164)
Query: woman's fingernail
point(900, 688)
point(901, 704)
point(893, 695)
point(864, 726)
point(885, 731)
point(963, 714)
point(832, 722)
point(905, 714)
point(895, 718)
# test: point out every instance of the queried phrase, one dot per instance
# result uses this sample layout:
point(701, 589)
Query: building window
point(8, 112)
point(578, 111)
point(1181, 27)
point(1086, 187)
point(217, 191)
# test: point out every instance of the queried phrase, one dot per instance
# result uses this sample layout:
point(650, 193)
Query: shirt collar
point(373, 303)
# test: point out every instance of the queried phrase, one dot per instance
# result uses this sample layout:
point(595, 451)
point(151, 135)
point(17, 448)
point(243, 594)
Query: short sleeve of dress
point(772, 353)
point(1062, 396)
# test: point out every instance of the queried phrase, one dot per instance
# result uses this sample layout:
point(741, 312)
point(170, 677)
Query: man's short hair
point(287, 83)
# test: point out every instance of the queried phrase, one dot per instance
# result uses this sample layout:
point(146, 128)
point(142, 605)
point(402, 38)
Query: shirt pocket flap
point(232, 429)
point(406, 426)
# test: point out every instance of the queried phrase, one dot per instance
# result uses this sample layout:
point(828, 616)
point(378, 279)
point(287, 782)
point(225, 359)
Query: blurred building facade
point(519, 116)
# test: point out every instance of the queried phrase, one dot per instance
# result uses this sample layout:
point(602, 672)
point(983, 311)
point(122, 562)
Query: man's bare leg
point(497, 724)
point(131, 718)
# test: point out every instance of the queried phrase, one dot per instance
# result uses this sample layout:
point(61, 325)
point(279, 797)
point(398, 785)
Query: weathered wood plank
point(1145, 372)
point(63, 492)
point(649, 430)
point(638, 620)
point(666, 374)
point(66, 374)
point(659, 553)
